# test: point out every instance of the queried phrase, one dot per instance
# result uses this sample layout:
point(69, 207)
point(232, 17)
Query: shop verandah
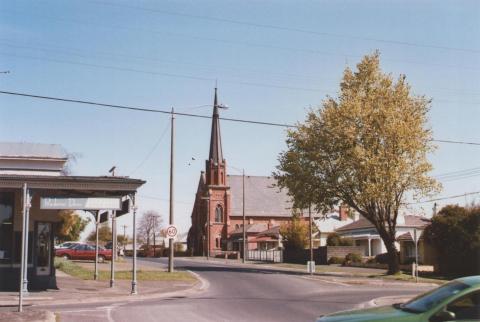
point(34, 201)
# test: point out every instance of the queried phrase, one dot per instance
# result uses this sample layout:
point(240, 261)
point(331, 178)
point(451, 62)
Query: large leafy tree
point(104, 234)
point(71, 226)
point(366, 148)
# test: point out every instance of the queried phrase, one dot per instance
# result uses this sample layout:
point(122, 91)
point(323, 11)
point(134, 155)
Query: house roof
point(32, 150)
point(410, 221)
point(262, 198)
point(408, 237)
point(250, 228)
point(272, 232)
point(331, 222)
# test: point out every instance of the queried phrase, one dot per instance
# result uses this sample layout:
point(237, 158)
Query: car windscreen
point(425, 302)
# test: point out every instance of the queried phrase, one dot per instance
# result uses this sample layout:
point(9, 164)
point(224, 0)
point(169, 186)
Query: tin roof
point(32, 150)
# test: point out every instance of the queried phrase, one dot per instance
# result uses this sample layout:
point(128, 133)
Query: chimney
point(343, 211)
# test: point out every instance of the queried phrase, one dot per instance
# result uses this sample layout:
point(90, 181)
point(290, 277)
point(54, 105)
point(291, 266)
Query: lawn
point(70, 268)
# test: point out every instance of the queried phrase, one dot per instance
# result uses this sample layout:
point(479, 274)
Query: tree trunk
point(393, 260)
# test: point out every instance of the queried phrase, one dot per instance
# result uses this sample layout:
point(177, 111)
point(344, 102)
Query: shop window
point(219, 214)
point(6, 226)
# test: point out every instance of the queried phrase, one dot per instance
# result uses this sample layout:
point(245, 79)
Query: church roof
point(262, 198)
point(215, 138)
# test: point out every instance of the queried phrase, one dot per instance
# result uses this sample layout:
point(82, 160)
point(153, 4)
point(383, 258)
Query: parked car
point(458, 300)
point(66, 245)
point(84, 251)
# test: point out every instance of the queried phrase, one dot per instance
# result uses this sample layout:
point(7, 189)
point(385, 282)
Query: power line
point(285, 28)
point(153, 110)
point(236, 42)
point(140, 109)
point(149, 154)
point(445, 198)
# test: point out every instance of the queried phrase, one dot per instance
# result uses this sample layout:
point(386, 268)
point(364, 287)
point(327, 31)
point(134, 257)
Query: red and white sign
point(172, 232)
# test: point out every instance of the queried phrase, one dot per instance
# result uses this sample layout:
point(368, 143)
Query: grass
point(70, 268)
point(408, 278)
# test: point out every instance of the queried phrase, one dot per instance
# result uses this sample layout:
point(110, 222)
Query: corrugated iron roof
point(32, 150)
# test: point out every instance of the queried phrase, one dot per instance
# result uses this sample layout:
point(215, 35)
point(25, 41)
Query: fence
point(275, 256)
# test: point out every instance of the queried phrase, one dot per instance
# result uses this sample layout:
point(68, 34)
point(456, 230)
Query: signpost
point(172, 232)
point(415, 236)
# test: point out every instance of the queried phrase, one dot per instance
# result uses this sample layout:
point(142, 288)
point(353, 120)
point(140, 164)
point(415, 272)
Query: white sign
point(91, 203)
point(171, 232)
point(415, 234)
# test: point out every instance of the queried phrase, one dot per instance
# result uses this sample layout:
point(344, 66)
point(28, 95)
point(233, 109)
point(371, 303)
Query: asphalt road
point(241, 294)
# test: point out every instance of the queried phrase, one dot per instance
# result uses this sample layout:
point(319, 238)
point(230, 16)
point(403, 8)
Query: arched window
point(219, 214)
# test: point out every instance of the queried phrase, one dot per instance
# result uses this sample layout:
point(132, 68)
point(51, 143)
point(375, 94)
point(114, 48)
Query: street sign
point(90, 203)
point(415, 234)
point(171, 232)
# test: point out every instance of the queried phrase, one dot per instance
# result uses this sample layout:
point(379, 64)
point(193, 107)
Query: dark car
point(84, 251)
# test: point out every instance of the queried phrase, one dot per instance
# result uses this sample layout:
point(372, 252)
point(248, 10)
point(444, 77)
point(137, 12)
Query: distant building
point(219, 197)
point(365, 234)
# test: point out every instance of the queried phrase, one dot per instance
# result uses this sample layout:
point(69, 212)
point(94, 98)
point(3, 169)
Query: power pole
point(311, 237)
point(172, 150)
point(243, 213)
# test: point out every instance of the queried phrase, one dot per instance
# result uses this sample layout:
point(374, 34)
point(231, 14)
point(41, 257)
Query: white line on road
point(326, 281)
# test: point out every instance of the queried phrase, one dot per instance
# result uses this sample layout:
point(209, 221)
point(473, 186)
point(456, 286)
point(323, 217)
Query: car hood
point(383, 313)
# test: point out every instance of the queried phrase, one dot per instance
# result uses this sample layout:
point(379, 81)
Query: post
point(134, 261)
point(311, 237)
point(243, 214)
point(22, 260)
point(27, 230)
point(172, 167)
point(97, 222)
point(208, 226)
point(416, 254)
point(114, 248)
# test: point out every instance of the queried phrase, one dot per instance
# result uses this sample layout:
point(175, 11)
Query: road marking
point(326, 281)
point(204, 283)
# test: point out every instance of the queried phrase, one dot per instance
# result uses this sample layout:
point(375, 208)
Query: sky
point(271, 60)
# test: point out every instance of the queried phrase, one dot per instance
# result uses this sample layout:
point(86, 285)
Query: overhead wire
point(153, 110)
point(286, 28)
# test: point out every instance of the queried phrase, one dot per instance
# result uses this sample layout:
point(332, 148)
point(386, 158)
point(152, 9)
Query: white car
point(66, 245)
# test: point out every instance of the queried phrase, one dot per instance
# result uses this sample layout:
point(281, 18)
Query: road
point(236, 293)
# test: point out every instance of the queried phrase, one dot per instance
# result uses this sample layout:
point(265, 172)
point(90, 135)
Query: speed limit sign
point(171, 232)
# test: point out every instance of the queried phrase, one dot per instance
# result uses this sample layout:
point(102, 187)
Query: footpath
point(74, 290)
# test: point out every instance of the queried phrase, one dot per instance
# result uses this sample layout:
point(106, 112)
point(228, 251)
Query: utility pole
point(311, 237)
point(243, 214)
point(172, 150)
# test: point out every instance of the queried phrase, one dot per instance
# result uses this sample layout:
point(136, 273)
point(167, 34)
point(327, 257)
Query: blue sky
point(272, 60)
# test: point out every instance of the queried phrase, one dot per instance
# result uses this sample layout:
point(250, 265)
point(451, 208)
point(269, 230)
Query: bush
point(335, 239)
point(336, 260)
point(455, 234)
point(372, 260)
point(353, 258)
point(382, 258)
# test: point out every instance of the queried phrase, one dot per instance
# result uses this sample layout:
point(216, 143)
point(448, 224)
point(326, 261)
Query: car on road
point(66, 245)
point(458, 300)
point(85, 252)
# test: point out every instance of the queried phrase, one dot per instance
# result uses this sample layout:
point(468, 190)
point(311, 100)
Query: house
point(427, 254)
point(365, 234)
point(330, 223)
point(33, 190)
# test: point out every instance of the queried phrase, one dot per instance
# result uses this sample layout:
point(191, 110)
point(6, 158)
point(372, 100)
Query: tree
point(295, 234)
point(71, 226)
point(367, 149)
point(104, 234)
point(455, 234)
point(334, 239)
point(149, 226)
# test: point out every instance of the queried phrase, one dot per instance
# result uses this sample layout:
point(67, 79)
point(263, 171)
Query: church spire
point(216, 154)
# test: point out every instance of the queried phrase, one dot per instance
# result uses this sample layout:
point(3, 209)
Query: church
point(222, 199)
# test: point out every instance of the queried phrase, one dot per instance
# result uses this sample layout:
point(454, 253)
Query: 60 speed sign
point(171, 232)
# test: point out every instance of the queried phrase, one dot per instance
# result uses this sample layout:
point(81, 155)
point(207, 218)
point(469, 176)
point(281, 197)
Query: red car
point(83, 251)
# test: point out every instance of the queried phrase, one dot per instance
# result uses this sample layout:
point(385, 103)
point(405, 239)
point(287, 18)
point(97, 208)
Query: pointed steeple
point(215, 154)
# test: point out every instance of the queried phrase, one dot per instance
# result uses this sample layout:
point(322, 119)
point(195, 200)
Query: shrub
point(335, 239)
point(455, 234)
point(353, 258)
point(382, 258)
point(371, 260)
point(336, 260)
